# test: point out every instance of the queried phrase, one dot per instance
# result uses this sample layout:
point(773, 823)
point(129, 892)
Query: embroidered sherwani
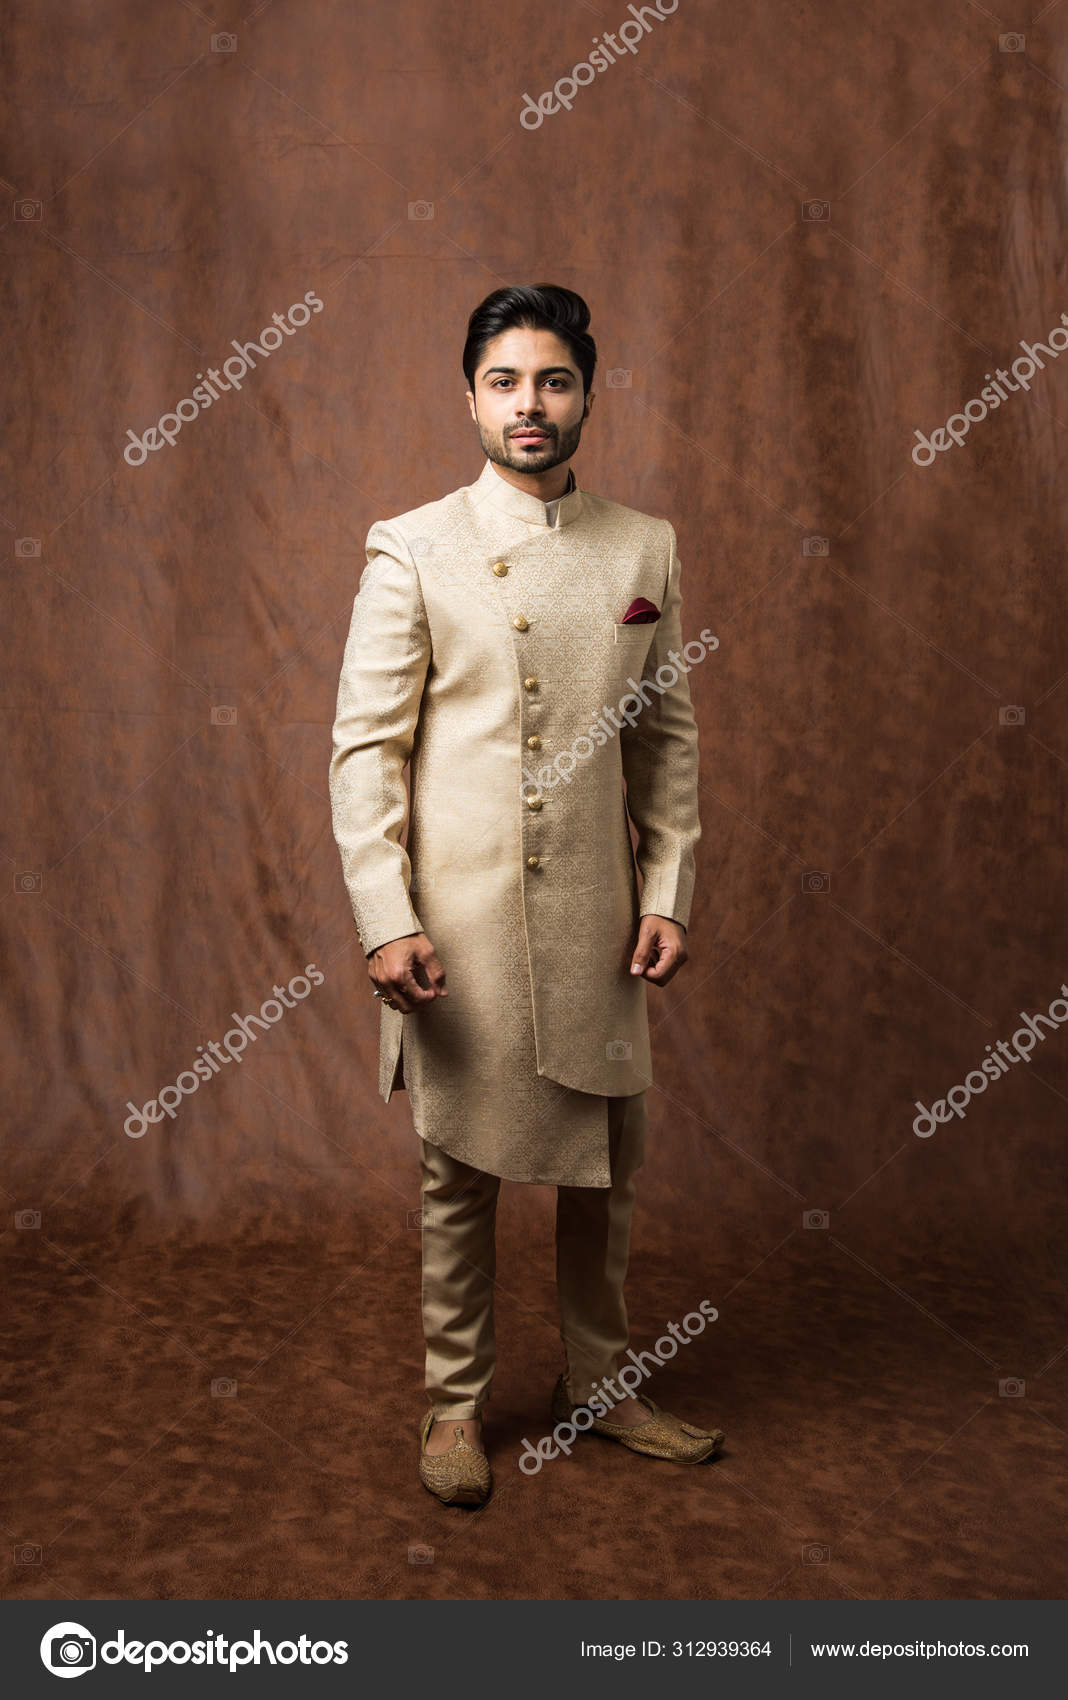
point(487, 647)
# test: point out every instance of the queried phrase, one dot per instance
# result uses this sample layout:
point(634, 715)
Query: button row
point(522, 624)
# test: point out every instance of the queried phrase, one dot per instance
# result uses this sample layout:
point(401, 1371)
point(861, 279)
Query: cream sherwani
point(487, 647)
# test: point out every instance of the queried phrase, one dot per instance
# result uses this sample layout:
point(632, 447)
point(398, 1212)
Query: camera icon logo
point(820, 210)
point(815, 882)
point(815, 1219)
point(68, 1649)
point(224, 714)
point(224, 42)
point(420, 1554)
point(1012, 43)
point(1012, 715)
point(816, 546)
point(420, 209)
point(27, 882)
point(27, 210)
point(617, 1050)
point(619, 377)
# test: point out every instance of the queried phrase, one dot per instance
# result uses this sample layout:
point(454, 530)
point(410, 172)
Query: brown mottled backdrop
point(804, 234)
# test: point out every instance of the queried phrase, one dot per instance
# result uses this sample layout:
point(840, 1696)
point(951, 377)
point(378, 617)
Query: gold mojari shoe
point(460, 1476)
point(662, 1436)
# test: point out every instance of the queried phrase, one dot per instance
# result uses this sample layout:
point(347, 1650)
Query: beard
point(560, 444)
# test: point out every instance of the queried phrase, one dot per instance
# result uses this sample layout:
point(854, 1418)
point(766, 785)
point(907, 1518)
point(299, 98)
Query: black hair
point(538, 306)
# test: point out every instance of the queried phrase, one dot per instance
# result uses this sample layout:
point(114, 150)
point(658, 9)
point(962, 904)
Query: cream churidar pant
point(459, 1212)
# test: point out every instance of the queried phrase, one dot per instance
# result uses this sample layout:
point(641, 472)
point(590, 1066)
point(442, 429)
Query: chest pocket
point(627, 653)
point(631, 644)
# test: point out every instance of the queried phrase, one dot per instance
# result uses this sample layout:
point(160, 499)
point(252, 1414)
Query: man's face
point(527, 401)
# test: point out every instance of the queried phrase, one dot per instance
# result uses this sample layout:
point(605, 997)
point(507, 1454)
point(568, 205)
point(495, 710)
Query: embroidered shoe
point(661, 1436)
point(460, 1476)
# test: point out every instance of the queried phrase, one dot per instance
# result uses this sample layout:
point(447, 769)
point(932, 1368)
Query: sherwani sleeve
point(379, 694)
point(660, 758)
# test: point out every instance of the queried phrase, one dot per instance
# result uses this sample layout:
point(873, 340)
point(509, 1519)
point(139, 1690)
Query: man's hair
point(537, 307)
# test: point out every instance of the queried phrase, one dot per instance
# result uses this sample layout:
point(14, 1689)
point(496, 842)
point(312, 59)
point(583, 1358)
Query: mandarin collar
point(520, 504)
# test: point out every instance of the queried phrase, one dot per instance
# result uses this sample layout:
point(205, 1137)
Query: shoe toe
point(661, 1436)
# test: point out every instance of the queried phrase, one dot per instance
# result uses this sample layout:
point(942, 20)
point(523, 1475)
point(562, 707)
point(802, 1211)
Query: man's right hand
point(407, 971)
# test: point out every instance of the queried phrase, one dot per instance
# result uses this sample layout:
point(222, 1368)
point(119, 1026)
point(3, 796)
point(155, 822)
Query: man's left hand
point(661, 949)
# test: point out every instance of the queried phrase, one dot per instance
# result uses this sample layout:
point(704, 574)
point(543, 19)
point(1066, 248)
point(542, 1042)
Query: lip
point(530, 437)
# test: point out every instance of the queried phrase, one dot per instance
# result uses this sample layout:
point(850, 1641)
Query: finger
point(406, 986)
point(642, 957)
point(387, 996)
point(435, 972)
point(385, 991)
point(678, 956)
point(419, 972)
point(661, 975)
point(645, 951)
point(664, 965)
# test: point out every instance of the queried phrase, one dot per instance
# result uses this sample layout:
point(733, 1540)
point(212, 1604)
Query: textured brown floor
point(869, 1452)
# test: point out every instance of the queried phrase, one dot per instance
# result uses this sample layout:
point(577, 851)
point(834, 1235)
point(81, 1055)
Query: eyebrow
point(542, 372)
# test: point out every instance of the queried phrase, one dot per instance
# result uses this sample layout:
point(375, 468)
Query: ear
point(589, 404)
point(471, 405)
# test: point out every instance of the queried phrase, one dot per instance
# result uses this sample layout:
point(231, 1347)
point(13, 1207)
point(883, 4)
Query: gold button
point(534, 742)
point(500, 568)
point(533, 861)
point(534, 803)
point(530, 684)
point(520, 624)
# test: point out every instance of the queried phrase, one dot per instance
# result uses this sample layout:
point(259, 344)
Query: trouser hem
point(456, 1413)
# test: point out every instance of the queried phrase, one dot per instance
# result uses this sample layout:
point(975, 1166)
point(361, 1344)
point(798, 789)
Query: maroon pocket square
point(640, 613)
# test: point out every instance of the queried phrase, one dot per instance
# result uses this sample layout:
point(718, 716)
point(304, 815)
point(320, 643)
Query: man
point(506, 640)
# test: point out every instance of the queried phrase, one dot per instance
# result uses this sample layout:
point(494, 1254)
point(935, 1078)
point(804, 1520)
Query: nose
point(529, 404)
